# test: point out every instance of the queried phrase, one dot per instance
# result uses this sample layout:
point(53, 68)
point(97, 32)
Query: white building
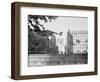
point(64, 41)
point(80, 40)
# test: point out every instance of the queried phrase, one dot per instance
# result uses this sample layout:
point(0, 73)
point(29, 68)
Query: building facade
point(61, 43)
point(80, 41)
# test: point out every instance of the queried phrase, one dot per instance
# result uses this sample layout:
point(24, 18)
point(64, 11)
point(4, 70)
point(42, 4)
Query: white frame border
point(24, 70)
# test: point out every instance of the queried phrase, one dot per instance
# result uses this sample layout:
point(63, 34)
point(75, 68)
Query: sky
point(62, 24)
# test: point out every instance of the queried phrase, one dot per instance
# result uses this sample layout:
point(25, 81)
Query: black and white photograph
point(57, 40)
point(53, 40)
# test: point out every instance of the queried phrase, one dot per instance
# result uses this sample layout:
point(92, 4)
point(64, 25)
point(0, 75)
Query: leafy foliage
point(34, 21)
point(36, 43)
point(38, 38)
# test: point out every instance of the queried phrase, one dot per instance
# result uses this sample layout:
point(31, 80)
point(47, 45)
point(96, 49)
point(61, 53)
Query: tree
point(35, 21)
point(36, 43)
point(38, 38)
